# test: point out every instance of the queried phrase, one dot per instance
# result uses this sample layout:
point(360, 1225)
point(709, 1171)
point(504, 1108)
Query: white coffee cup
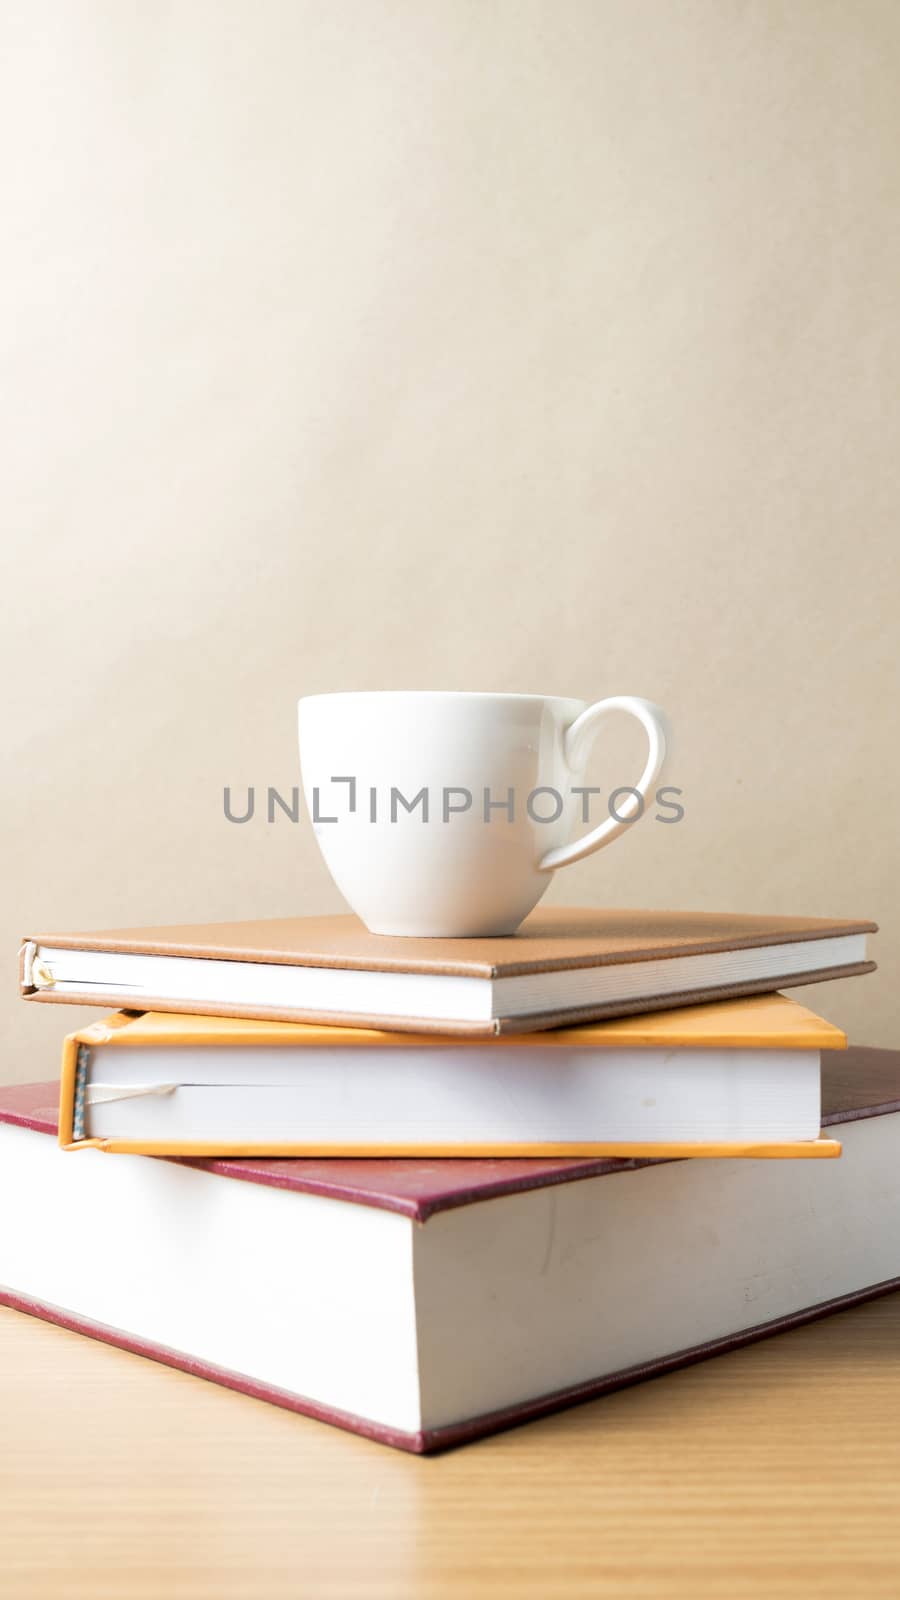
point(387, 776)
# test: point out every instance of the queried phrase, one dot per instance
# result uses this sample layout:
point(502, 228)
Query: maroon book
point(425, 1303)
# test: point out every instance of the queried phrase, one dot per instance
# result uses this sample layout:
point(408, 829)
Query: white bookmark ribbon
point(103, 1094)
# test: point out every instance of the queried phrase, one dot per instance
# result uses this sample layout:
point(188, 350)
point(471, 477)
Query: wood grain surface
point(772, 1471)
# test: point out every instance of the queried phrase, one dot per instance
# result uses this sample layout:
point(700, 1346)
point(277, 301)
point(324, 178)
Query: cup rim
point(437, 694)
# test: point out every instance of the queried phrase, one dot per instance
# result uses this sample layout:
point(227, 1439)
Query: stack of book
point(427, 1187)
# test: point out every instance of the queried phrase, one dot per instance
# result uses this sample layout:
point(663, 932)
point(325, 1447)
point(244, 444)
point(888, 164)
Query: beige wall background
point(520, 344)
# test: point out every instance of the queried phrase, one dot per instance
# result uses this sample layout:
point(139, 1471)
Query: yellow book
point(732, 1078)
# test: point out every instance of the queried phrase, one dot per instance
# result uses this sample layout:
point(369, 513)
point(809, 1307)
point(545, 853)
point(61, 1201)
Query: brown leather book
point(563, 966)
point(424, 1303)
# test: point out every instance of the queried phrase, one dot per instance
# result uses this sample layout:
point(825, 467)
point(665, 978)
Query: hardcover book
point(563, 966)
point(738, 1077)
point(424, 1303)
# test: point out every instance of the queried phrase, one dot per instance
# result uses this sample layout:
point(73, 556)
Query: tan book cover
point(553, 946)
point(549, 939)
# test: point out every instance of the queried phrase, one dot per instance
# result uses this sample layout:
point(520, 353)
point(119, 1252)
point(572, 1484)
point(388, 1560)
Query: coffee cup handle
point(577, 738)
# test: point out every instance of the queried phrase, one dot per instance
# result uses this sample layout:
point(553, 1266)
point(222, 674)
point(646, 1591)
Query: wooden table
point(772, 1471)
